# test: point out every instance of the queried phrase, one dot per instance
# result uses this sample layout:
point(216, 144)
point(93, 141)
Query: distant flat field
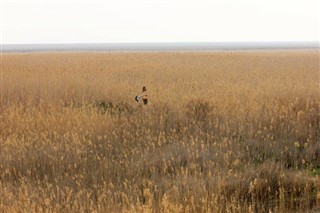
point(170, 77)
point(223, 131)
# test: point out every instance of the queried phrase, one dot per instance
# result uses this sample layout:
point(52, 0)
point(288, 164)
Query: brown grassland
point(228, 131)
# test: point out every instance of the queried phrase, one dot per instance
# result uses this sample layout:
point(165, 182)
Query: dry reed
point(223, 132)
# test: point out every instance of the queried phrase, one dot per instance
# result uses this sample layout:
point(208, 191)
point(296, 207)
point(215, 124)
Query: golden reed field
point(228, 131)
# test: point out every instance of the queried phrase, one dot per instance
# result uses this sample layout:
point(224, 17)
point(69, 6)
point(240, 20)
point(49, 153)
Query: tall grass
point(223, 132)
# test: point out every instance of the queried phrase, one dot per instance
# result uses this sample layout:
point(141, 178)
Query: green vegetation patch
point(315, 171)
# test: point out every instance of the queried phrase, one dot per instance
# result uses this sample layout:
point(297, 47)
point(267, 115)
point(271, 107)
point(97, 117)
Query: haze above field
point(139, 21)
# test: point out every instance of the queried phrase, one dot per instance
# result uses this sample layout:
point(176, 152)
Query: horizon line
point(160, 46)
point(166, 42)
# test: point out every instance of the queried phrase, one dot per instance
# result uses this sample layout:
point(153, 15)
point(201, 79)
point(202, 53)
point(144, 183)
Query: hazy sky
point(105, 21)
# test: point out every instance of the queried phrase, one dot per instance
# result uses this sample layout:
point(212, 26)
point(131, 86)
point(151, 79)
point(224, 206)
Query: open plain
point(224, 131)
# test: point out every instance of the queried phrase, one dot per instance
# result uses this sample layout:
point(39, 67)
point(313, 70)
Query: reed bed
point(232, 131)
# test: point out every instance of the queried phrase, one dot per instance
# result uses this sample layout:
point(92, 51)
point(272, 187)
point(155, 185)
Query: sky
point(122, 21)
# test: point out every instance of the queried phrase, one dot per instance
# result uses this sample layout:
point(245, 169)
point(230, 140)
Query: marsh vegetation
point(223, 132)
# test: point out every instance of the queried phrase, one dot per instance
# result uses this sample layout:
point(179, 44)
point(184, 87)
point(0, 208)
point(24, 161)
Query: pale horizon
point(158, 46)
